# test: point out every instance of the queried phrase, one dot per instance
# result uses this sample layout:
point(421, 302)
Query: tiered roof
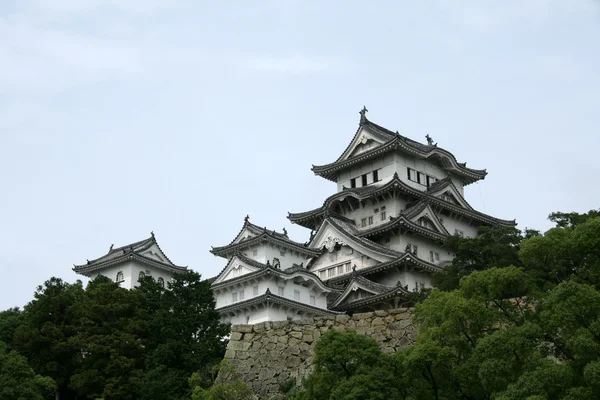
point(394, 142)
point(313, 218)
point(266, 270)
point(252, 234)
point(133, 251)
point(378, 293)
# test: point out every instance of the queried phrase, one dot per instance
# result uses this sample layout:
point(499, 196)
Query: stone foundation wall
point(270, 353)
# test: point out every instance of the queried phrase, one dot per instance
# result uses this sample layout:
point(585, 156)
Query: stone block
point(297, 335)
point(307, 338)
point(235, 336)
point(241, 328)
point(377, 321)
point(381, 313)
point(341, 319)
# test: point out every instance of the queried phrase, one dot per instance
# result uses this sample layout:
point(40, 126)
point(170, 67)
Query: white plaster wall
point(340, 257)
point(406, 277)
point(424, 246)
point(131, 270)
point(357, 171)
point(451, 224)
point(223, 296)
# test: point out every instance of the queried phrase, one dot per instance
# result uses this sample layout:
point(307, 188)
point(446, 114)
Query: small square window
point(376, 210)
point(255, 252)
point(382, 208)
point(313, 300)
point(383, 215)
point(280, 291)
point(297, 295)
point(255, 291)
point(363, 222)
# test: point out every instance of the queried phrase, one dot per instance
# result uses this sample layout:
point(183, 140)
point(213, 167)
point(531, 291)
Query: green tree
point(231, 387)
point(111, 330)
point(568, 251)
point(17, 379)
point(45, 333)
point(495, 247)
point(187, 335)
point(10, 320)
point(351, 366)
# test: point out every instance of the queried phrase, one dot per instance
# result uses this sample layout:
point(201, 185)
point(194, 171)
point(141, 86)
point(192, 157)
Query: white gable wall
point(131, 270)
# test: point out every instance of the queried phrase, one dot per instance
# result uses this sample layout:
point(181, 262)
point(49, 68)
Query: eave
point(269, 297)
point(87, 269)
point(392, 293)
point(401, 144)
point(265, 237)
point(402, 221)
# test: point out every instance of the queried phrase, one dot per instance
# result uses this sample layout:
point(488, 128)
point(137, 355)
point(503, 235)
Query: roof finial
point(247, 218)
point(284, 231)
point(363, 116)
point(430, 140)
point(152, 233)
point(111, 247)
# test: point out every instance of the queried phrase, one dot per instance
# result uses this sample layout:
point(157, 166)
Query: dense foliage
point(106, 342)
point(517, 317)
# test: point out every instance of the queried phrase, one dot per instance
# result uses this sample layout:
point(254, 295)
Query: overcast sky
point(121, 117)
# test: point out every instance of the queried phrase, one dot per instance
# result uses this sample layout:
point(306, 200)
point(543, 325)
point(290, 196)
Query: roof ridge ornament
point(363, 117)
point(430, 141)
point(111, 247)
point(152, 233)
point(246, 218)
point(285, 231)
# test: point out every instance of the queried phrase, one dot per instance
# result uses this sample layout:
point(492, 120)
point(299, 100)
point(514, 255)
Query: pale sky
point(121, 117)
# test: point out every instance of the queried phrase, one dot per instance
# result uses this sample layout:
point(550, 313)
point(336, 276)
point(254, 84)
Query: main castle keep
point(378, 238)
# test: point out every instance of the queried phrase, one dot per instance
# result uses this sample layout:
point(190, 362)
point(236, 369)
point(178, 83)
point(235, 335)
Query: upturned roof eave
point(270, 297)
point(330, 171)
point(229, 249)
point(89, 268)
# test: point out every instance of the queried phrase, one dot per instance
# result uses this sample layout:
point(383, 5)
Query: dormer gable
point(425, 217)
point(236, 267)
point(363, 141)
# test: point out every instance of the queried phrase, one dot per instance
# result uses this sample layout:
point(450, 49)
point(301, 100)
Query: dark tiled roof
point(369, 244)
point(267, 269)
point(262, 235)
point(272, 298)
point(130, 251)
point(395, 183)
point(394, 141)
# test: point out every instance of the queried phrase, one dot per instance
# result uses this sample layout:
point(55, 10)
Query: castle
point(373, 242)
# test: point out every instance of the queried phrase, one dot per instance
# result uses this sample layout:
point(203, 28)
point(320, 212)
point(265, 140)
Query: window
point(120, 276)
point(348, 267)
point(255, 291)
point(376, 175)
point(255, 252)
point(340, 269)
point(370, 220)
point(282, 253)
point(420, 178)
point(382, 208)
point(437, 256)
point(233, 297)
point(363, 222)
point(387, 240)
point(459, 233)
point(313, 300)
point(331, 272)
point(383, 215)
point(375, 211)
point(353, 182)
point(161, 282)
point(142, 275)
point(431, 256)
point(412, 248)
point(297, 295)
point(280, 291)
point(322, 274)
point(364, 180)
point(241, 295)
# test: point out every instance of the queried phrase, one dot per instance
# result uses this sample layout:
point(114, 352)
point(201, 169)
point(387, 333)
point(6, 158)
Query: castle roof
point(378, 293)
point(139, 251)
point(394, 142)
point(270, 298)
point(251, 235)
point(314, 217)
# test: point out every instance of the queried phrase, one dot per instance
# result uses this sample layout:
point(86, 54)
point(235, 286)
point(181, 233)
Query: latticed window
point(161, 282)
point(142, 275)
point(120, 277)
